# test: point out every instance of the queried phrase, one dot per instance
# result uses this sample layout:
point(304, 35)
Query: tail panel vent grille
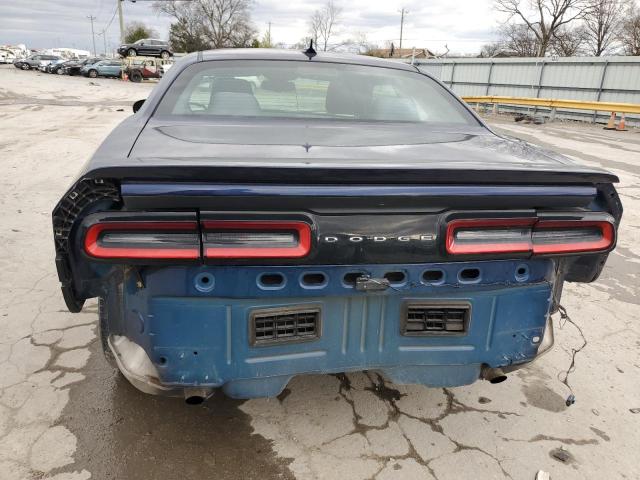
point(284, 325)
point(436, 319)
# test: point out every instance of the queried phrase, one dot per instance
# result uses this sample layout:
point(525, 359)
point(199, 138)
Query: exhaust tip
point(498, 379)
point(196, 396)
point(493, 375)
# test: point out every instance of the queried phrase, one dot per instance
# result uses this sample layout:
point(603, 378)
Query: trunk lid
point(286, 151)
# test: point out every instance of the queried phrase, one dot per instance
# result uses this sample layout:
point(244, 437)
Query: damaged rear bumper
point(181, 332)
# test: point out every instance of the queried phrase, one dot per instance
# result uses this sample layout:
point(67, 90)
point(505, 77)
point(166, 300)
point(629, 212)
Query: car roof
point(281, 54)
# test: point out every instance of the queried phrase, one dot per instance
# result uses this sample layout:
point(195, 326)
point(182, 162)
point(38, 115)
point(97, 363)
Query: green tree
point(136, 31)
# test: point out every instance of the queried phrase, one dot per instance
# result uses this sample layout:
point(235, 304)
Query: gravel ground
point(65, 415)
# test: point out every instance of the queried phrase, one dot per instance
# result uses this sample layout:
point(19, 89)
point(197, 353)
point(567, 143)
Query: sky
point(462, 26)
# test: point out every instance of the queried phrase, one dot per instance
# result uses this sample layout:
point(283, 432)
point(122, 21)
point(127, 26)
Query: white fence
point(606, 79)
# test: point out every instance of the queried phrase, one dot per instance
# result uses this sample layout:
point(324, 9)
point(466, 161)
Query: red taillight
point(527, 235)
point(255, 239)
point(559, 236)
point(143, 240)
point(499, 235)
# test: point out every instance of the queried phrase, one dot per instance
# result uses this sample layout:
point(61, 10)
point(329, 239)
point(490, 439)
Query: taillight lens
point(557, 236)
point(527, 235)
point(143, 240)
point(478, 236)
point(255, 239)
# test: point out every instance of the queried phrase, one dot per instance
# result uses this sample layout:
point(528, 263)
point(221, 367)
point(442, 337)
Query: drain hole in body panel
point(204, 282)
point(396, 278)
point(314, 279)
point(522, 273)
point(469, 275)
point(271, 280)
point(433, 276)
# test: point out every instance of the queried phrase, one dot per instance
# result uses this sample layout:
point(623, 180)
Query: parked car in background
point(103, 68)
point(74, 67)
point(35, 61)
point(46, 67)
point(57, 66)
point(144, 68)
point(7, 56)
point(148, 47)
point(267, 214)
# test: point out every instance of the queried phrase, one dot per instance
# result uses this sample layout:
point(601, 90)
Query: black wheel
point(25, 66)
point(165, 55)
point(132, 52)
point(60, 71)
point(135, 77)
point(93, 73)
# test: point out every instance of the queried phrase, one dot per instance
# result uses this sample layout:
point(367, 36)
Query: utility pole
point(121, 18)
point(402, 13)
point(93, 35)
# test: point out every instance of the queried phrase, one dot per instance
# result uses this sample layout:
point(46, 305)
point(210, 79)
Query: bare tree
point(519, 40)
point(543, 17)
point(490, 50)
point(602, 22)
point(630, 31)
point(186, 33)
point(569, 42)
point(216, 23)
point(228, 22)
point(322, 24)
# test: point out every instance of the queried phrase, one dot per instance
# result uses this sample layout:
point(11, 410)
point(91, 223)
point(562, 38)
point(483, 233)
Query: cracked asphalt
point(66, 415)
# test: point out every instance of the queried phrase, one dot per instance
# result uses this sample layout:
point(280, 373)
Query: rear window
point(258, 88)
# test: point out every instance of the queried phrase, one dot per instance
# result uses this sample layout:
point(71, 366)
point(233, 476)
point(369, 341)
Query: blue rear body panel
point(200, 336)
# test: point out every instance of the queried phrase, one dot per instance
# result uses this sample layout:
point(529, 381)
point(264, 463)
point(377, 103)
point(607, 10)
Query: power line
point(115, 10)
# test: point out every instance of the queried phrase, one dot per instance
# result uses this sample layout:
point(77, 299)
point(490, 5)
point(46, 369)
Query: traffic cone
point(611, 125)
point(621, 125)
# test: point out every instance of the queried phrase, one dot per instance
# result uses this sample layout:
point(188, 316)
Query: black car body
point(74, 67)
point(58, 67)
point(266, 214)
point(146, 47)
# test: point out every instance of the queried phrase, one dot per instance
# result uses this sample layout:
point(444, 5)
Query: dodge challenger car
point(266, 214)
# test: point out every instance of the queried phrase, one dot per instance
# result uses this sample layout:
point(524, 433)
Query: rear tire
point(93, 73)
point(132, 52)
point(60, 71)
point(135, 77)
point(165, 55)
point(25, 66)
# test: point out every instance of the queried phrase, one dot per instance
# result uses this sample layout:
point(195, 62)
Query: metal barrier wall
point(605, 79)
